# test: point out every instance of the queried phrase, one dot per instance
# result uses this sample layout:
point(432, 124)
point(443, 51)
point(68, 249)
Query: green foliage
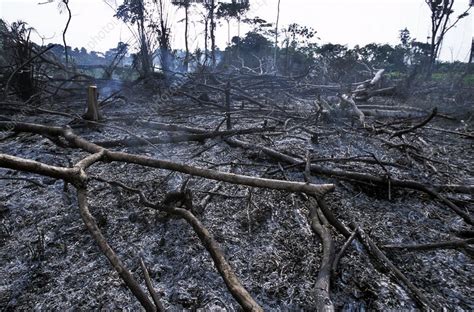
point(232, 10)
point(469, 80)
point(131, 11)
point(253, 42)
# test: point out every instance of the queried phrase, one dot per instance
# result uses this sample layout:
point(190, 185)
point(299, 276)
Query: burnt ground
point(48, 260)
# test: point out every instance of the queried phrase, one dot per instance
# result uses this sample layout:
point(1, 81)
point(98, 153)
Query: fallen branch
point(79, 142)
point(349, 100)
point(172, 138)
point(231, 280)
point(77, 177)
point(341, 252)
point(149, 285)
point(385, 262)
point(459, 243)
point(125, 274)
point(421, 124)
point(355, 176)
point(319, 225)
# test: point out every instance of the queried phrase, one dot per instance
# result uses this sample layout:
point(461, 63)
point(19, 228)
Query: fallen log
point(355, 110)
point(384, 113)
point(320, 225)
point(174, 138)
point(363, 91)
point(231, 280)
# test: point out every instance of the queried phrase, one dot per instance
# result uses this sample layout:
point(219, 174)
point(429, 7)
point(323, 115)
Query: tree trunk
point(213, 35)
point(276, 37)
point(186, 26)
point(471, 58)
point(66, 3)
point(206, 38)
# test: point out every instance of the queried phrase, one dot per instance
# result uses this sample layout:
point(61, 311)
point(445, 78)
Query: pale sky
point(347, 22)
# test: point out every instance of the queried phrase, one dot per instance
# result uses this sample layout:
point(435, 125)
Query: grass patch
point(469, 80)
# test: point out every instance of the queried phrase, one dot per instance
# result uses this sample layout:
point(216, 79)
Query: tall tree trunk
point(186, 21)
point(213, 33)
point(228, 32)
point(206, 38)
point(146, 66)
point(471, 58)
point(144, 53)
point(276, 37)
point(238, 36)
point(66, 3)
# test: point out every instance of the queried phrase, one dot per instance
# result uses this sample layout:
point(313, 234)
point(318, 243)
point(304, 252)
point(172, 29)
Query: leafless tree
point(276, 35)
point(64, 3)
point(441, 11)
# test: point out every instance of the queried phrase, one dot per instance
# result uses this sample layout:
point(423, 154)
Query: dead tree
point(441, 11)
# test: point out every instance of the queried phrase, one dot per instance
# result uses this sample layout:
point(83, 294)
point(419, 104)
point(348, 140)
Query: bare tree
point(441, 11)
point(185, 4)
point(163, 32)
point(471, 58)
point(210, 24)
point(64, 3)
point(276, 35)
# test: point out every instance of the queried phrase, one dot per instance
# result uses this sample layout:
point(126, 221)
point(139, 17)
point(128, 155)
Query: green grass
point(439, 76)
point(396, 75)
point(469, 80)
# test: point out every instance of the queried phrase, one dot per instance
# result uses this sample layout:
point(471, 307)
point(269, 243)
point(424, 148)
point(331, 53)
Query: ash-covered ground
point(49, 261)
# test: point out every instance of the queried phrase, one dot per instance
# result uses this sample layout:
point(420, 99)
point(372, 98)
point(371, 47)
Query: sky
point(348, 22)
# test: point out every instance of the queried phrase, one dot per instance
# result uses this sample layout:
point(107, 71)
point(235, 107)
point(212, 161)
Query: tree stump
point(92, 112)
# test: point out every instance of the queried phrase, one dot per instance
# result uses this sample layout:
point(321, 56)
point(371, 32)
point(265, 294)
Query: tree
point(276, 36)
point(405, 37)
point(210, 6)
point(295, 35)
point(133, 12)
point(163, 32)
point(185, 4)
point(64, 3)
point(113, 57)
point(441, 11)
point(16, 53)
point(471, 57)
point(232, 10)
